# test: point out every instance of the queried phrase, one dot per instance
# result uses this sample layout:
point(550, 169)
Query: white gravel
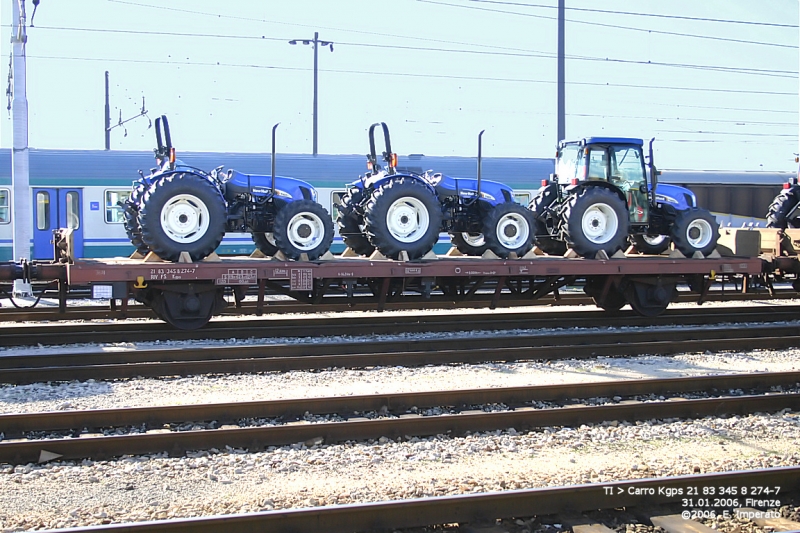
point(63, 494)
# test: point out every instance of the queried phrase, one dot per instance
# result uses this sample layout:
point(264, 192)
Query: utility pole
point(21, 218)
point(562, 108)
point(315, 43)
point(108, 118)
point(121, 123)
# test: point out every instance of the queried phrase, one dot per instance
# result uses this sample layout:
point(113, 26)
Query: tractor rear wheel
point(349, 222)
point(303, 227)
point(779, 209)
point(542, 238)
point(695, 230)
point(509, 228)
point(182, 213)
point(403, 215)
point(130, 212)
point(596, 219)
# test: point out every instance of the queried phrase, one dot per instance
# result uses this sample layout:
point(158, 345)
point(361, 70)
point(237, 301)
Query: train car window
point(5, 215)
point(43, 210)
point(336, 197)
point(522, 198)
point(114, 212)
point(73, 210)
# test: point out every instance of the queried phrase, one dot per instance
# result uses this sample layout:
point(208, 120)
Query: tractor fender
point(574, 189)
point(386, 178)
point(199, 174)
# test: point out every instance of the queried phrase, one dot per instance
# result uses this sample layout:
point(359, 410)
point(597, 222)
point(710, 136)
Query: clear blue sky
point(437, 71)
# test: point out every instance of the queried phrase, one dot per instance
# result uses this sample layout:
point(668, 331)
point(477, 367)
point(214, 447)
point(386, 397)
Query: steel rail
point(12, 425)
point(259, 437)
point(26, 335)
point(265, 358)
point(105, 312)
point(468, 508)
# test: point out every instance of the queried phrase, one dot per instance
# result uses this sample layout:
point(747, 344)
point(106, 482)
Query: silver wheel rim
point(305, 231)
point(699, 233)
point(599, 223)
point(654, 240)
point(185, 218)
point(512, 231)
point(407, 219)
point(474, 239)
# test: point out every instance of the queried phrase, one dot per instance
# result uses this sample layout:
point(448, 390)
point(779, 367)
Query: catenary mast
point(21, 218)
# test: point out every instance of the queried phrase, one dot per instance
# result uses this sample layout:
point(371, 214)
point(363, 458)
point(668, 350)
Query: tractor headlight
point(282, 194)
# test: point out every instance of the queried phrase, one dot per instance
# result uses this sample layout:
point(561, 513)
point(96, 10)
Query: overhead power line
point(636, 14)
point(616, 26)
point(548, 55)
point(418, 75)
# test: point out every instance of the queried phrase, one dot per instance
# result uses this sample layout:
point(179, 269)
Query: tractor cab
point(617, 163)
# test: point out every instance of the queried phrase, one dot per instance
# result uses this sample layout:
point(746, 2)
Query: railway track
point(257, 425)
point(48, 311)
point(656, 501)
point(243, 358)
point(138, 331)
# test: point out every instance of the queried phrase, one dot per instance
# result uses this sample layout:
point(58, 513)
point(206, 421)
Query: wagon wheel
point(650, 299)
point(613, 300)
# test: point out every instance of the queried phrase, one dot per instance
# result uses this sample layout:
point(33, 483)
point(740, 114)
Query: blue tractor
point(395, 211)
point(178, 208)
point(600, 199)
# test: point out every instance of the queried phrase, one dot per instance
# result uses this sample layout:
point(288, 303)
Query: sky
point(714, 81)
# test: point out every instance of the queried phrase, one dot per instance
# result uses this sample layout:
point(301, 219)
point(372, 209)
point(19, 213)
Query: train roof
point(710, 177)
point(114, 168)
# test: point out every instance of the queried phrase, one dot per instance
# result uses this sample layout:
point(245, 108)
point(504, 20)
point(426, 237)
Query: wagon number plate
point(301, 279)
point(239, 276)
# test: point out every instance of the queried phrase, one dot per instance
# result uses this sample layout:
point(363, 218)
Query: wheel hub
point(512, 231)
point(407, 219)
point(599, 223)
point(185, 218)
point(306, 231)
point(699, 233)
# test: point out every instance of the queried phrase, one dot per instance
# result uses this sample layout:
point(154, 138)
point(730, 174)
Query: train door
point(53, 209)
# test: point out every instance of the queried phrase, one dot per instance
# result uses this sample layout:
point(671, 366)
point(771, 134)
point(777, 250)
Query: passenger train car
point(80, 189)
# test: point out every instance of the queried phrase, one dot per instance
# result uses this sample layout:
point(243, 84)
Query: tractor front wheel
point(303, 227)
point(469, 243)
point(695, 230)
point(651, 244)
point(509, 228)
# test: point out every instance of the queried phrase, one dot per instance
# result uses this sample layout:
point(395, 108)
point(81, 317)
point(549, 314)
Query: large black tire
point(403, 214)
point(469, 243)
point(508, 228)
point(349, 222)
point(779, 209)
point(182, 213)
point(265, 243)
point(542, 239)
point(695, 230)
point(596, 219)
point(612, 301)
point(650, 244)
point(303, 227)
point(130, 212)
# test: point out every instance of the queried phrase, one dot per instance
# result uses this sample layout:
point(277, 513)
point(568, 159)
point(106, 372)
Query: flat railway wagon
point(188, 294)
point(80, 189)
